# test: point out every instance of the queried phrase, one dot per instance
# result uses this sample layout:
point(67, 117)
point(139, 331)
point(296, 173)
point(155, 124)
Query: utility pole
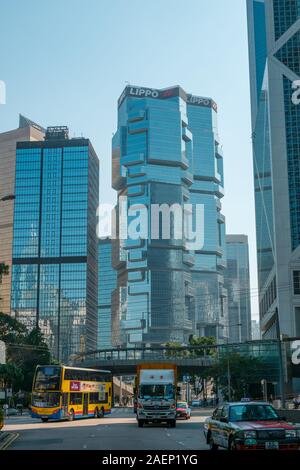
point(228, 364)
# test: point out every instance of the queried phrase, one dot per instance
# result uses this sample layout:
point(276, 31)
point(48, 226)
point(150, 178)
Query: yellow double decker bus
point(62, 392)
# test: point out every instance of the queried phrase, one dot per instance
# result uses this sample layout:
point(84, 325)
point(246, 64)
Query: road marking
point(181, 443)
point(168, 434)
point(10, 441)
point(85, 446)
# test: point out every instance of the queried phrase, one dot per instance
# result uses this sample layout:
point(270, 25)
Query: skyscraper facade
point(27, 131)
point(55, 252)
point(274, 44)
point(166, 151)
point(107, 281)
point(237, 283)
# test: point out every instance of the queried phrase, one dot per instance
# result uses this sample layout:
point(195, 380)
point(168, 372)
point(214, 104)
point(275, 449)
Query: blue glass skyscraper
point(107, 281)
point(274, 45)
point(237, 283)
point(55, 252)
point(166, 151)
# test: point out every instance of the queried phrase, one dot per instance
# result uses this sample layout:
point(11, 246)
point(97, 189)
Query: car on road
point(183, 410)
point(250, 426)
point(196, 403)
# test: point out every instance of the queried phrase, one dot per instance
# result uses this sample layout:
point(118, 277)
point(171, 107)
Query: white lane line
point(181, 443)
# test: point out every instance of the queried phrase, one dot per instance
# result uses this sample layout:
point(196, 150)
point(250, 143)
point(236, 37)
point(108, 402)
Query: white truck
point(156, 391)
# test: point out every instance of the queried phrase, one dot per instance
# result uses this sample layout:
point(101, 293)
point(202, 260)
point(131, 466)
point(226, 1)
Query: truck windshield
point(148, 391)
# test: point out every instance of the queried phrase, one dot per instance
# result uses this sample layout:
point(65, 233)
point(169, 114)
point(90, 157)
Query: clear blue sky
point(66, 62)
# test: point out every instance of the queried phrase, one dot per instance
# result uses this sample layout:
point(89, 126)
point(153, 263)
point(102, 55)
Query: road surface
point(117, 431)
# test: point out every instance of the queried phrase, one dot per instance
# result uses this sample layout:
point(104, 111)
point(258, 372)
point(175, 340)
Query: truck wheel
point(173, 423)
point(140, 423)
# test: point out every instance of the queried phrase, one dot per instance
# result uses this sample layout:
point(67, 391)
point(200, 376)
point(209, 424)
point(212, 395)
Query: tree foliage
point(24, 349)
point(243, 370)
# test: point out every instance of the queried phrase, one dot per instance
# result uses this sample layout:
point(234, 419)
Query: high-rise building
point(55, 252)
point(274, 44)
point(27, 131)
point(255, 330)
point(237, 283)
point(166, 151)
point(107, 281)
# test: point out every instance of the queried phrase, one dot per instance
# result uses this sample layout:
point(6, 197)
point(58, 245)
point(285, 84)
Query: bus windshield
point(148, 391)
point(47, 378)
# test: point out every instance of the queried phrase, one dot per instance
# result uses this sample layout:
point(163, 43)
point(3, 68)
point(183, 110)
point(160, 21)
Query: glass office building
point(166, 151)
point(237, 283)
point(274, 44)
point(27, 131)
point(107, 281)
point(55, 253)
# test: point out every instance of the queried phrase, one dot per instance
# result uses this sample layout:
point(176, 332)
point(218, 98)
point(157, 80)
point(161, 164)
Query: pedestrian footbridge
point(124, 361)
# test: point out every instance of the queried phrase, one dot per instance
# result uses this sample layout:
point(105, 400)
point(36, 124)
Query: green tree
point(11, 330)
point(203, 346)
point(244, 371)
point(176, 350)
point(25, 349)
point(10, 375)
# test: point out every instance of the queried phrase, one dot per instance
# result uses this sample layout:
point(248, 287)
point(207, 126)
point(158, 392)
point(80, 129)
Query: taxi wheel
point(232, 444)
point(211, 443)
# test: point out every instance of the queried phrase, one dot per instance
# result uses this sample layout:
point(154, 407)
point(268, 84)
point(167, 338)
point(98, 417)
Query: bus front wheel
point(101, 413)
point(45, 420)
point(71, 415)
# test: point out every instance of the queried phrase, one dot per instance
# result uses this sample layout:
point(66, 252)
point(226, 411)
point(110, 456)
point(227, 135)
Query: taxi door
point(215, 426)
point(224, 427)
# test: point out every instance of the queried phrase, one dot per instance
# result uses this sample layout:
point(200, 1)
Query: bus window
point(47, 378)
point(109, 392)
point(75, 398)
point(94, 398)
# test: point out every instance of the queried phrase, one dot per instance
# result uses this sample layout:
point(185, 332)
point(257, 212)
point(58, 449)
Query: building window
point(296, 280)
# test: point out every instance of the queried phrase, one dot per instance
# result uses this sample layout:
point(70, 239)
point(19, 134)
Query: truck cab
point(156, 394)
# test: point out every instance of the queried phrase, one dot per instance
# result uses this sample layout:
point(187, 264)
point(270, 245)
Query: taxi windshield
point(252, 413)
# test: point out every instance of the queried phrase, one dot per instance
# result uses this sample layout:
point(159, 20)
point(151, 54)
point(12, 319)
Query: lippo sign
point(76, 386)
point(141, 92)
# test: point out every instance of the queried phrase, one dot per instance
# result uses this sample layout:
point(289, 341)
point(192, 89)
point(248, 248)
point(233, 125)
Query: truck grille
point(271, 434)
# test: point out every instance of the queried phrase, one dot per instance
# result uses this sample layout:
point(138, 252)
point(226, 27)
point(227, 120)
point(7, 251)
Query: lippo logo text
point(154, 222)
point(2, 92)
point(295, 347)
point(296, 94)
